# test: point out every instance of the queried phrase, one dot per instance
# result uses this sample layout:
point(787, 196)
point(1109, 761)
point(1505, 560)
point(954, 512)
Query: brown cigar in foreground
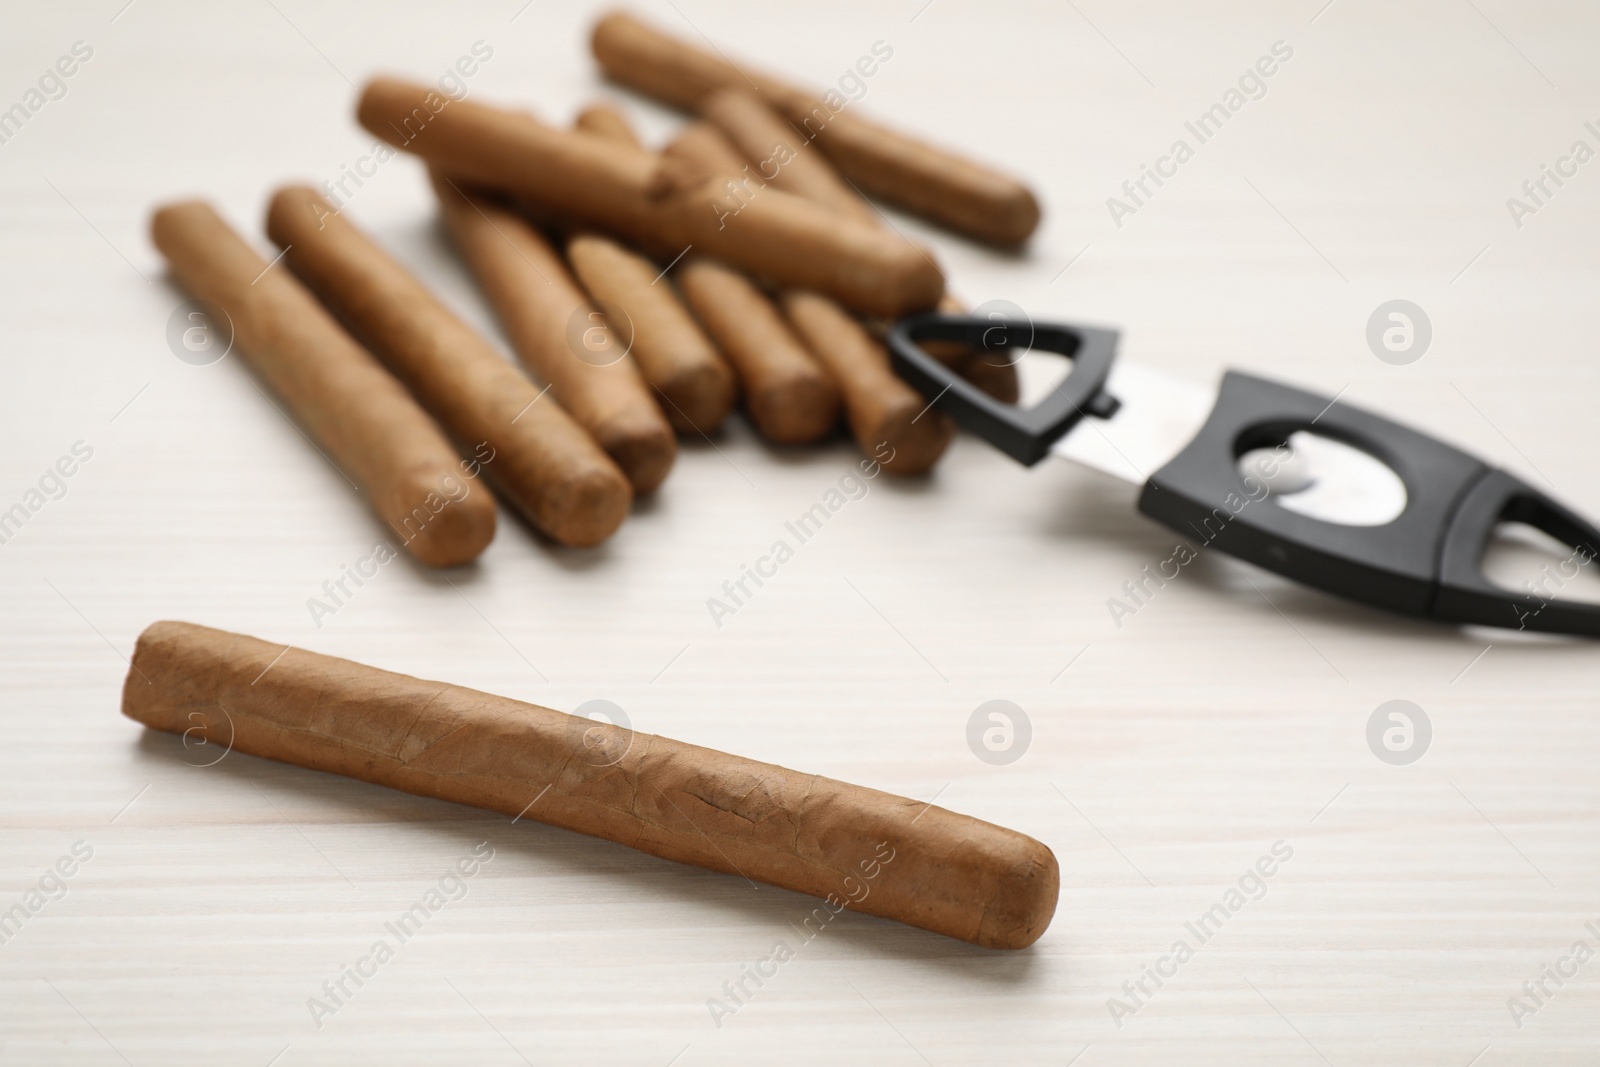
point(557, 333)
point(636, 195)
point(354, 410)
point(855, 847)
point(964, 195)
point(543, 462)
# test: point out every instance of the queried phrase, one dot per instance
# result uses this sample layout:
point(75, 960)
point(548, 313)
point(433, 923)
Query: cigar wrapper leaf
point(355, 411)
point(927, 866)
point(966, 196)
point(544, 463)
point(634, 194)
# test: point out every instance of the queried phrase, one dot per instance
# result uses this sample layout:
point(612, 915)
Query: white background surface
point(1171, 753)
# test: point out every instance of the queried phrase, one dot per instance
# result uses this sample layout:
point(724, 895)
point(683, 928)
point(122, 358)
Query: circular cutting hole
point(1321, 478)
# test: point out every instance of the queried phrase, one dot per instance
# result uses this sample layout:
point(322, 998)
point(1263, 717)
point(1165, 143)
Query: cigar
point(603, 120)
point(780, 155)
point(677, 348)
point(559, 336)
point(748, 138)
point(789, 395)
point(636, 195)
point(885, 413)
point(360, 417)
point(891, 421)
point(697, 389)
point(964, 195)
point(855, 847)
point(705, 152)
point(677, 358)
point(543, 462)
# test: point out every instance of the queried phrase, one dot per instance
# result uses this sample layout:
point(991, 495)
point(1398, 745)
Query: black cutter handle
point(1426, 562)
point(1024, 434)
point(1465, 595)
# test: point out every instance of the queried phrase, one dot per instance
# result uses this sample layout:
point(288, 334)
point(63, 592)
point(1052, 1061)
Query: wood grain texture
point(1168, 755)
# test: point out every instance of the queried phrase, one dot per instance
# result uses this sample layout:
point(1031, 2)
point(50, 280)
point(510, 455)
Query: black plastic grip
point(1466, 595)
point(1024, 434)
point(1425, 562)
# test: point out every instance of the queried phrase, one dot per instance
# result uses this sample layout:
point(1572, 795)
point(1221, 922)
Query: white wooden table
point(1168, 754)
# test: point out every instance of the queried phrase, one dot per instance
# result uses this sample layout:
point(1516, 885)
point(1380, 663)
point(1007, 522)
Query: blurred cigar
point(763, 143)
point(780, 154)
point(891, 421)
point(790, 397)
point(558, 335)
point(603, 120)
point(544, 463)
point(678, 359)
point(856, 847)
point(681, 363)
point(353, 409)
point(706, 152)
point(635, 194)
point(964, 195)
point(883, 410)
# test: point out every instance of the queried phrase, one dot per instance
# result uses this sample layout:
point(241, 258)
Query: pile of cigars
point(644, 292)
point(728, 275)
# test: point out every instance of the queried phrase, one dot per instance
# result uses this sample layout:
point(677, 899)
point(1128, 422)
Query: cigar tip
point(157, 630)
point(796, 410)
point(586, 508)
point(917, 436)
point(137, 686)
point(1024, 901)
point(173, 208)
point(584, 243)
point(605, 120)
point(382, 95)
point(296, 210)
point(614, 19)
point(294, 193)
point(453, 532)
point(644, 449)
point(164, 218)
point(699, 398)
point(1018, 216)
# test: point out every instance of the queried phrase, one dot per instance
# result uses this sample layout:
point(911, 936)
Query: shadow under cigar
point(834, 449)
point(929, 234)
point(630, 876)
point(839, 452)
point(514, 524)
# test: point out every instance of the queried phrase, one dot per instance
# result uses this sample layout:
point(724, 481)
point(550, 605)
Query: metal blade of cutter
point(1160, 414)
